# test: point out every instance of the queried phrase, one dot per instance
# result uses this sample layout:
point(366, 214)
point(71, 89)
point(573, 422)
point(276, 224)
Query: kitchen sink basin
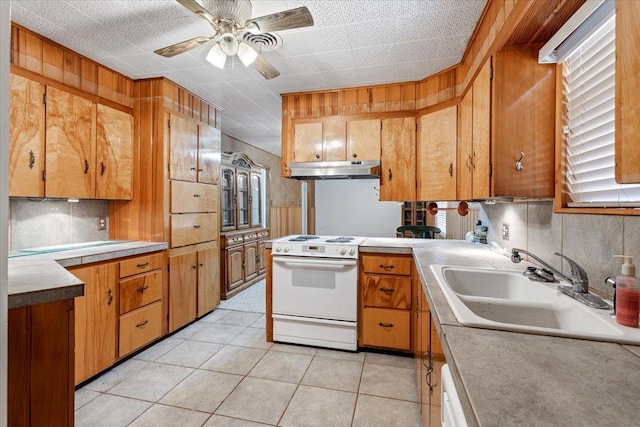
point(507, 300)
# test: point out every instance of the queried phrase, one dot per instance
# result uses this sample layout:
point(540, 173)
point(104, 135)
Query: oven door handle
point(315, 263)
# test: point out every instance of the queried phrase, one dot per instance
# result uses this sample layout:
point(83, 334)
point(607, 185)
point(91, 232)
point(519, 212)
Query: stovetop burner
point(341, 239)
point(303, 238)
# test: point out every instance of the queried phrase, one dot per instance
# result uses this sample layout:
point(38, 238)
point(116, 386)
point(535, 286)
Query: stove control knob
point(287, 249)
point(343, 250)
point(352, 251)
point(278, 248)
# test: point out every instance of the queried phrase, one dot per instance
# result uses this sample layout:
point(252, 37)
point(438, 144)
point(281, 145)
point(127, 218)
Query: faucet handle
point(578, 275)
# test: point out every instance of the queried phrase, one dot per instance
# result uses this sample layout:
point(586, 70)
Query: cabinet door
point(208, 280)
point(482, 133)
point(235, 267)
point(363, 138)
point(437, 162)
point(250, 261)
point(523, 121)
point(26, 138)
point(398, 159)
point(183, 276)
point(307, 142)
point(256, 200)
point(242, 198)
point(228, 199)
point(114, 148)
point(209, 140)
point(183, 148)
point(261, 258)
point(96, 319)
point(334, 140)
point(70, 145)
point(465, 147)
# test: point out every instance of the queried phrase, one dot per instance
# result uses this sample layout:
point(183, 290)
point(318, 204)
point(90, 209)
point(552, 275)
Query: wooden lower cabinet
point(208, 280)
point(96, 319)
point(183, 288)
point(242, 260)
point(250, 261)
point(40, 380)
point(235, 267)
point(386, 301)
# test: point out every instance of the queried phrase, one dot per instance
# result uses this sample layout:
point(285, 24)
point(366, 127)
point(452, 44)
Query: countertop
point(508, 378)
point(39, 275)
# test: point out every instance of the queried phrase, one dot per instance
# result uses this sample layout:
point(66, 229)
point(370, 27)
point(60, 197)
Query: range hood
point(360, 169)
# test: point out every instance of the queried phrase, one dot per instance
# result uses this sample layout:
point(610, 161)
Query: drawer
point(189, 229)
point(140, 327)
point(386, 264)
point(386, 328)
point(250, 236)
point(189, 197)
point(141, 264)
point(140, 290)
point(263, 234)
point(386, 291)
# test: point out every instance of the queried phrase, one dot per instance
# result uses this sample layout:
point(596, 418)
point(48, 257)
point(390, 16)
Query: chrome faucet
point(579, 280)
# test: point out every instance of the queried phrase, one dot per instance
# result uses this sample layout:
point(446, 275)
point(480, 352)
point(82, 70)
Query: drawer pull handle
point(387, 267)
point(143, 265)
point(196, 195)
point(110, 293)
point(196, 226)
point(387, 291)
point(386, 326)
point(142, 324)
point(142, 289)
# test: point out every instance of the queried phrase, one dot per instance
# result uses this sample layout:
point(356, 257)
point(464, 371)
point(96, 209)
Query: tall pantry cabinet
point(176, 194)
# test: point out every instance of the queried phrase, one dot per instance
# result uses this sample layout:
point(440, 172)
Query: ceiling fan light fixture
point(217, 57)
point(229, 44)
point(247, 54)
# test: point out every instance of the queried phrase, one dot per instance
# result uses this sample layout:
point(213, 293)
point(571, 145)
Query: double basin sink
point(507, 300)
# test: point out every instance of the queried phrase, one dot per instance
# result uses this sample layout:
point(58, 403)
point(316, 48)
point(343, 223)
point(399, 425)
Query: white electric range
point(315, 290)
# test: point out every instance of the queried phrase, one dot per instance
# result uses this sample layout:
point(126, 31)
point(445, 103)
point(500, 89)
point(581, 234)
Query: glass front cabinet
point(243, 223)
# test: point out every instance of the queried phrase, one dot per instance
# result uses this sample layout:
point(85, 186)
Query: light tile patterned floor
point(220, 371)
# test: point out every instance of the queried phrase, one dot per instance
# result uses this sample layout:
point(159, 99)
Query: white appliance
point(452, 414)
point(315, 290)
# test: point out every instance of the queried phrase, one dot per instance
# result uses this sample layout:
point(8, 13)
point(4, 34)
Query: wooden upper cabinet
point(307, 142)
point(334, 140)
point(209, 142)
point(436, 168)
point(481, 138)
point(114, 161)
point(465, 147)
point(70, 145)
point(183, 148)
point(398, 159)
point(363, 139)
point(627, 110)
point(523, 123)
point(26, 136)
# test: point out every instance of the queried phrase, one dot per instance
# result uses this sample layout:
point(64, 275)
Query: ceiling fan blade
point(264, 68)
point(196, 8)
point(178, 48)
point(285, 20)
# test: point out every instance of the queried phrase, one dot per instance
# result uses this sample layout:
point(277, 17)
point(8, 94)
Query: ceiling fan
point(231, 19)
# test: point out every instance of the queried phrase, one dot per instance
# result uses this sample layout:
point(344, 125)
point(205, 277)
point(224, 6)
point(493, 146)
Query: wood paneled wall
point(285, 220)
point(33, 56)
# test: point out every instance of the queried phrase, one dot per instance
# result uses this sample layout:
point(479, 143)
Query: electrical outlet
point(102, 223)
point(505, 231)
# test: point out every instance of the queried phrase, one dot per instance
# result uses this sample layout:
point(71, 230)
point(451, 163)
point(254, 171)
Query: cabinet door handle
point(102, 168)
point(387, 291)
point(142, 324)
point(468, 163)
point(390, 174)
point(450, 169)
point(386, 326)
point(193, 168)
point(200, 169)
point(143, 265)
point(142, 289)
point(387, 267)
point(194, 267)
point(110, 293)
point(86, 166)
point(317, 156)
point(32, 159)
point(197, 226)
point(201, 264)
point(354, 155)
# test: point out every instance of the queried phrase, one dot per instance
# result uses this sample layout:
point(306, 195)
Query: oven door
point(323, 288)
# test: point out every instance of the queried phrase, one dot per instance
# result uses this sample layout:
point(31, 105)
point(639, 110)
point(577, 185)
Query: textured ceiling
point(352, 43)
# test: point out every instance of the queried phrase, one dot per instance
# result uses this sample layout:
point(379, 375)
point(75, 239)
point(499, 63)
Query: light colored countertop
point(39, 275)
point(507, 378)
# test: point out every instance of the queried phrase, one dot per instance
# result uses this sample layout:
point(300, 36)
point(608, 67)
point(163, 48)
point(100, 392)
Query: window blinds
point(589, 87)
point(441, 218)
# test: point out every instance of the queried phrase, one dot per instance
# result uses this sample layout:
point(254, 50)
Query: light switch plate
point(505, 231)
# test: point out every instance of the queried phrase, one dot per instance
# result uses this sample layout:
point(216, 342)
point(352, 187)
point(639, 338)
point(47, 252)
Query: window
point(589, 122)
point(441, 219)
